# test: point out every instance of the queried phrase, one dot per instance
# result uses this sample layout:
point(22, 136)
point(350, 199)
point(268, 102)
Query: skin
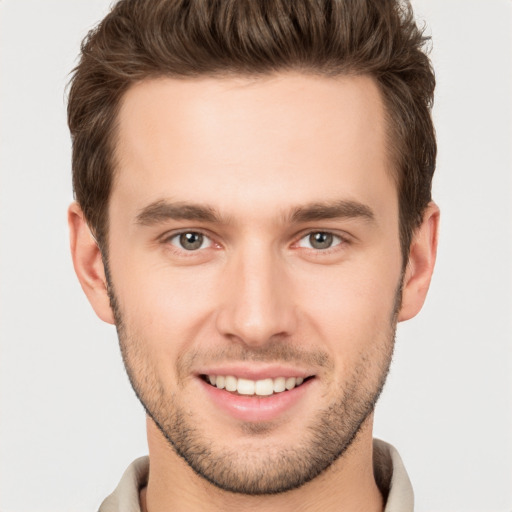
point(257, 152)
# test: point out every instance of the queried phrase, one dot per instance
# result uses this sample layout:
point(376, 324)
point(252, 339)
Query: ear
point(88, 263)
point(422, 257)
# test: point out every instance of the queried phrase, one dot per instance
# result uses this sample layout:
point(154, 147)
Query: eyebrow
point(332, 210)
point(163, 210)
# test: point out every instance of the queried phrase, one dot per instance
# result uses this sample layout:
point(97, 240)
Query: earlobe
point(422, 258)
point(88, 263)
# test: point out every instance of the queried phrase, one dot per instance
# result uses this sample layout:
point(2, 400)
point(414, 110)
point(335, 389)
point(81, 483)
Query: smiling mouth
point(247, 387)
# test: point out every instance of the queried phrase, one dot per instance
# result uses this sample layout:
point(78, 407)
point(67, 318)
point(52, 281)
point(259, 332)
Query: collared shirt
point(389, 471)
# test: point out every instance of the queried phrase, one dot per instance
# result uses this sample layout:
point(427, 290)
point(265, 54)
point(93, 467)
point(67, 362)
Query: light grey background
point(69, 421)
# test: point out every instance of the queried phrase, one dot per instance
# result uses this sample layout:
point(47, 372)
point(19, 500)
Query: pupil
point(320, 240)
point(191, 241)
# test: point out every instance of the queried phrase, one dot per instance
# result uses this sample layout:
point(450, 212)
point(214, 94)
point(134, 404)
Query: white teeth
point(230, 383)
point(245, 387)
point(220, 381)
point(279, 385)
point(263, 387)
point(290, 383)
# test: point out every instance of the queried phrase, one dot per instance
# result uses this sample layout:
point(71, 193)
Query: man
point(254, 215)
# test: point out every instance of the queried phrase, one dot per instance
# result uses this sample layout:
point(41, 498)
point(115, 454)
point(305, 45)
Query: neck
point(348, 484)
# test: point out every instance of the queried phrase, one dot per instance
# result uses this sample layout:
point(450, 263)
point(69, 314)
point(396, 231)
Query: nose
point(258, 299)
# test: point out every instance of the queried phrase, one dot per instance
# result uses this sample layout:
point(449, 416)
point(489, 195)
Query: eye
point(320, 240)
point(190, 241)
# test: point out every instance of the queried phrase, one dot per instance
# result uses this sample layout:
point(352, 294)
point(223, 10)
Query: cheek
point(348, 307)
point(165, 307)
point(352, 286)
point(353, 322)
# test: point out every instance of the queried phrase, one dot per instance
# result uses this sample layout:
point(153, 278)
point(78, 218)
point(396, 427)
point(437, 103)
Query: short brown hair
point(141, 39)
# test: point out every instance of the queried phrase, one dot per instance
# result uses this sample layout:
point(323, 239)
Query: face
point(255, 269)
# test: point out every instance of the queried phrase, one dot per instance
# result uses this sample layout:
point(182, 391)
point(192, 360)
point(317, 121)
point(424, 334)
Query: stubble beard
point(261, 471)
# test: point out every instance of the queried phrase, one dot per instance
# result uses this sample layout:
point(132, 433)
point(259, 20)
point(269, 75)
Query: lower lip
point(256, 408)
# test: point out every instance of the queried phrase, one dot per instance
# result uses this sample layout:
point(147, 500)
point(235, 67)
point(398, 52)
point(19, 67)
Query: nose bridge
point(258, 303)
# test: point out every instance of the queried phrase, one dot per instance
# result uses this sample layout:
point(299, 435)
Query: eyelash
point(342, 240)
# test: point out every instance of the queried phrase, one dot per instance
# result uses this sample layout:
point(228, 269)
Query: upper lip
point(256, 372)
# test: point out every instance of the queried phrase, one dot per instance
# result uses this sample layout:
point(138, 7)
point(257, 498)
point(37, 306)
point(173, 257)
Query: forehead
point(243, 142)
